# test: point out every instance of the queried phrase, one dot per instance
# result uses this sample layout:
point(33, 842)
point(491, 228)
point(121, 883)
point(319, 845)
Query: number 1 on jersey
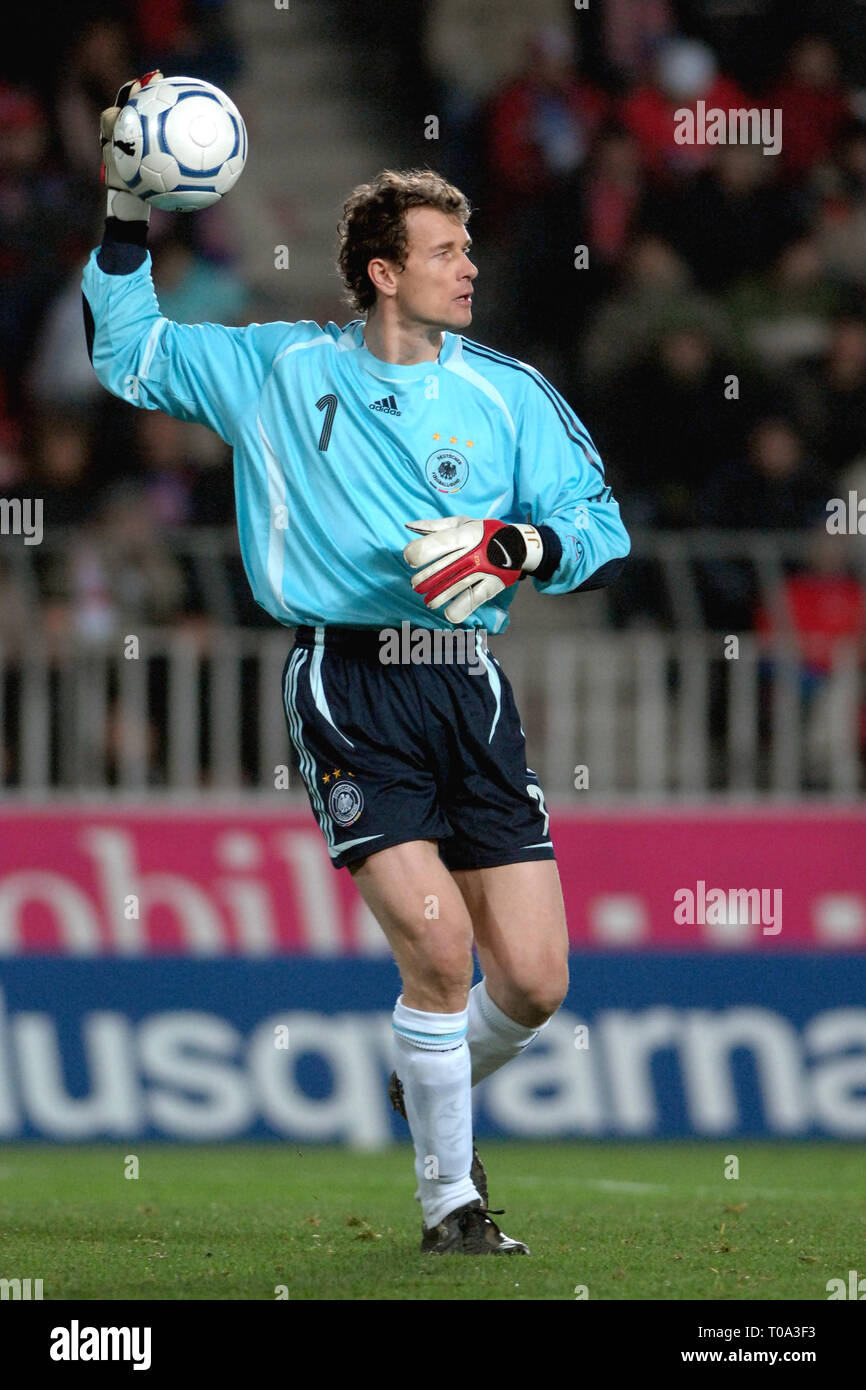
point(329, 405)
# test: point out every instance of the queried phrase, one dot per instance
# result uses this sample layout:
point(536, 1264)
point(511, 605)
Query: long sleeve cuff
point(549, 563)
point(124, 246)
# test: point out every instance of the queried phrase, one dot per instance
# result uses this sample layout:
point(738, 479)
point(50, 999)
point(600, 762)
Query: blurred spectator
point(784, 318)
point(11, 464)
point(775, 487)
point(168, 472)
point(821, 608)
point(685, 72)
point(61, 477)
point(772, 488)
point(43, 228)
point(813, 105)
point(542, 123)
point(832, 396)
point(732, 220)
point(844, 23)
point(541, 127)
point(656, 292)
point(612, 194)
point(471, 49)
point(61, 375)
point(164, 26)
point(822, 611)
point(188, 36)
point(746, 35)
point(187, 472)
point(842, 213)
point(666, 426)
point(633, 30)
point(97, 66)
point(119, 573)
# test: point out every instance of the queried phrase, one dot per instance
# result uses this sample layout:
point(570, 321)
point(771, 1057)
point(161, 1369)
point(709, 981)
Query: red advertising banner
point(191, 880)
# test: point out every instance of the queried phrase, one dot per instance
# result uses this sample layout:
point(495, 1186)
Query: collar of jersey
point(394, 371)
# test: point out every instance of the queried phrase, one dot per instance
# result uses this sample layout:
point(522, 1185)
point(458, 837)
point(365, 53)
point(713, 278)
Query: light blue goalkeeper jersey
point(335, 450)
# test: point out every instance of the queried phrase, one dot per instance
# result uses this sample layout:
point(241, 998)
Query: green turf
point(627, 1221)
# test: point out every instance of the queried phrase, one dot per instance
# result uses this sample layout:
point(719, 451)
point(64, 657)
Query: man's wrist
point(537, 551)
point(131, 233)
point(124, 246)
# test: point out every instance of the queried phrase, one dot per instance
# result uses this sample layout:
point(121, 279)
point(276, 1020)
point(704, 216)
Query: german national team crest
point(345, 803)
point(447, 470)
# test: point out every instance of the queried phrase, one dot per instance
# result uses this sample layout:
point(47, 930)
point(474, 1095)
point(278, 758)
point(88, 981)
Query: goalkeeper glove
point(122, 203)
point(463, 563)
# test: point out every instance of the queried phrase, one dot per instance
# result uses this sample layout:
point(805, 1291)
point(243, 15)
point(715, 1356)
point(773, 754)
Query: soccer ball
point(180, 143)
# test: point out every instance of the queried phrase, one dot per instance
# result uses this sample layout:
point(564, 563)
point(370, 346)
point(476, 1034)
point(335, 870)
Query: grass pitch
point(627, 1221)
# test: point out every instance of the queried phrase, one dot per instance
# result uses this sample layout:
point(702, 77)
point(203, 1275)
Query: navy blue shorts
point(413, 750)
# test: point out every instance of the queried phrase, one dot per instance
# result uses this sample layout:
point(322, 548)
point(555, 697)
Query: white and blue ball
point(180, 144)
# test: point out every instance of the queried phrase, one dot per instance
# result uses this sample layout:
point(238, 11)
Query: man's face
point(435, 286)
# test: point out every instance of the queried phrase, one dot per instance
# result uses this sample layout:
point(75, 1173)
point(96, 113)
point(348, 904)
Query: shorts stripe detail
point(307, 763)
point(335, 850)
point(542, 844)
point(317, 687)
point(495, 684)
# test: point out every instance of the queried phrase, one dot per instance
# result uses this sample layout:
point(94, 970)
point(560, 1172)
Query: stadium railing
point(644, 703)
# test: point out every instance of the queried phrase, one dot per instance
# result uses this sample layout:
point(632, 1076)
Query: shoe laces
point(472, 1214)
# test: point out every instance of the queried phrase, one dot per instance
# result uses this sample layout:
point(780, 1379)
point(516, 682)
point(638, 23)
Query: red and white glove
point(121, 202)
point(464, 563)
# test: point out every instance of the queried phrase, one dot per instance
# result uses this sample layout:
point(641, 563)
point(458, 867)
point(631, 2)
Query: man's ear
point(383, 275)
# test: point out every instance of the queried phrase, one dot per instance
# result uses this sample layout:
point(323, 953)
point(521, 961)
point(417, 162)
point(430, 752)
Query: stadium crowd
point(712, 333)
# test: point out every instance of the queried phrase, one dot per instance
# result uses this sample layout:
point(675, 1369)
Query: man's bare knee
point(433, 952)
point(440, 975)
point(531, 1001)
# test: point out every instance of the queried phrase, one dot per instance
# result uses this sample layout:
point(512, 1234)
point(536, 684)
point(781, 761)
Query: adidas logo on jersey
point(387, 405)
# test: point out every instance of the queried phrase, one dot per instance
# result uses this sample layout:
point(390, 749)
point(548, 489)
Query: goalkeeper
point(416, 773)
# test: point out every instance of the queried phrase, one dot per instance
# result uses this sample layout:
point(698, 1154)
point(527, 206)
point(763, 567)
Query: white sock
point(434, 1066)
point(493, 1037)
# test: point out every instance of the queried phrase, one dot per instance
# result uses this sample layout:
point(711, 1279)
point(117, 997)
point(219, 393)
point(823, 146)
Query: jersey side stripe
point(576, 432)
point(560, 405)
point(277, 497)
point(153, 338)
point(495, 354)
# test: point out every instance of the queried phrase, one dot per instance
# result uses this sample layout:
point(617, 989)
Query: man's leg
point(520, 933)
point(433, 951)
